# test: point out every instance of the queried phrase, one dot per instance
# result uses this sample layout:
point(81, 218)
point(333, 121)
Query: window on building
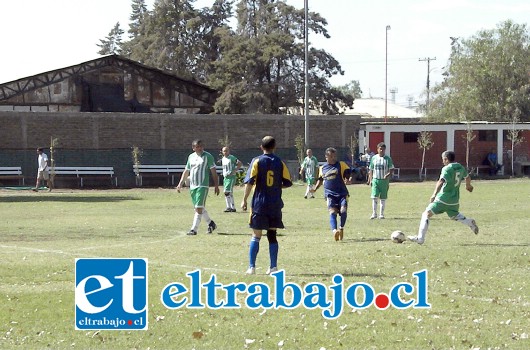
point(57, 88)
point(487, 135)
point(409, 137)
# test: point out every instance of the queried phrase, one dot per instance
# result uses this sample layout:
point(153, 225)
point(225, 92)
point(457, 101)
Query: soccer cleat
point(341, 233)
point(305, 196)
point(192, 233)
point(211, 226)
point(251, 271)
point(271, 270)
point(374, 216)
point(227, 210)
point(336, 234)
point(233, 210)
point(381, 216)
point(415, 239)
point(312, 196)
point(474, 227)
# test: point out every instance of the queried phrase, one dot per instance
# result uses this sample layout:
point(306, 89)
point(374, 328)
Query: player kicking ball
point(446, 196)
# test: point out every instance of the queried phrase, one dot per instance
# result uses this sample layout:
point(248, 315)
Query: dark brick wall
point(106, 139)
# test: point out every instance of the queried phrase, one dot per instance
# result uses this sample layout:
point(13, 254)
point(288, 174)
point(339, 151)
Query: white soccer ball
point(398, 237)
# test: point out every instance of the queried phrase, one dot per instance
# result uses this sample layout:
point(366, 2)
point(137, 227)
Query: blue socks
point(333, 220)
point(343, 217)
point(253, 251)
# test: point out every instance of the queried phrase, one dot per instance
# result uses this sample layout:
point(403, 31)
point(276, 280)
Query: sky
point(43, 35)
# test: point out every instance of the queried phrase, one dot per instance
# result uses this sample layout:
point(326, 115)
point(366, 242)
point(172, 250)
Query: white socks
point(206, 216)
point(196, 221)
point(424, 226)
point(461, 218)
point(230, 201)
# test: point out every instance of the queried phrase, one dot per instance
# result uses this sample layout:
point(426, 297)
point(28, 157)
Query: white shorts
point(43, 174)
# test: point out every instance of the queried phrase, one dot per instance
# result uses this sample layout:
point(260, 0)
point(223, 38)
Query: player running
point(334, 175)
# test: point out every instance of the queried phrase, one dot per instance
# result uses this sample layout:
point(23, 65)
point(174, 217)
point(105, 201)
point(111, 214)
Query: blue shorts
point(265, 222)
point(337, 201)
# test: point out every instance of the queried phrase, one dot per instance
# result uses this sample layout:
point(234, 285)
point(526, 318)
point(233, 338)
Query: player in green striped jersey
point(446, 196)
point(379, 172)
point(230, 167)
point(199, 166)
point(310, 167)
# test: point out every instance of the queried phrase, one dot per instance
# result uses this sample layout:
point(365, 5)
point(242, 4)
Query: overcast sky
point(43, 35)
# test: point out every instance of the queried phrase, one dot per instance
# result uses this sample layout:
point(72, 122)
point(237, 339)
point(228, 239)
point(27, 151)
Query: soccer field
point(478, 286)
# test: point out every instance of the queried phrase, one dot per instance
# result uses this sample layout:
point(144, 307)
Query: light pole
point(306, 74)
point(386, 71)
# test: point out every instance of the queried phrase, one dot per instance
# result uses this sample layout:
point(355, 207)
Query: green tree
point(137, 29)
point(112, 43)
point(353, 88)
point(262, 62)
point(213, 22)
point(256, 65)
point(487, 77)
point(171, 39)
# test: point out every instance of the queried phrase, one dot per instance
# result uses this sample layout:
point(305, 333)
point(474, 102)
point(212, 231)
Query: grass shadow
point(66, 199)
point(344, 274)
point(234, 234)
point(248, 233)
point(363, 240)
point(495, 245)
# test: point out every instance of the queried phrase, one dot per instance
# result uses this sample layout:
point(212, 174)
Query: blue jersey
point(333, 176)
point(268, 174)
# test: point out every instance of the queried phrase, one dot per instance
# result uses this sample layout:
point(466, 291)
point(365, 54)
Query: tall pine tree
point(112, 43)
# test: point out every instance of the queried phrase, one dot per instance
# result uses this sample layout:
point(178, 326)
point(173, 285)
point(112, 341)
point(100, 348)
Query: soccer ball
point(397, 237)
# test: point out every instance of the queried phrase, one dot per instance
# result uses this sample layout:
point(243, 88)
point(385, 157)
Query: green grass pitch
point(479, 286)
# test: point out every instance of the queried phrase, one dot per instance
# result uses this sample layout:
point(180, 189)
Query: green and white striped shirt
point(199, 168)
point(229, 165)
point(380, 166)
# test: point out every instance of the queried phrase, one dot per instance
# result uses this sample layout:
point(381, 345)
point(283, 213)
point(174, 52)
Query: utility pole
point(386, 70)
point(306, 75)
point(428, 59)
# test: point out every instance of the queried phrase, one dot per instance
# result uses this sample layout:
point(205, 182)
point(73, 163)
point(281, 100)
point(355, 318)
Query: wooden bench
point(162, 170)
point(80, 172)
point(157, 170)
point(422, 173)
point(12, 173)
point(475, 170)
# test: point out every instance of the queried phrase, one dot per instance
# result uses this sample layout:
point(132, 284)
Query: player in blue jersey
point(334, 175)
point(267, 174)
